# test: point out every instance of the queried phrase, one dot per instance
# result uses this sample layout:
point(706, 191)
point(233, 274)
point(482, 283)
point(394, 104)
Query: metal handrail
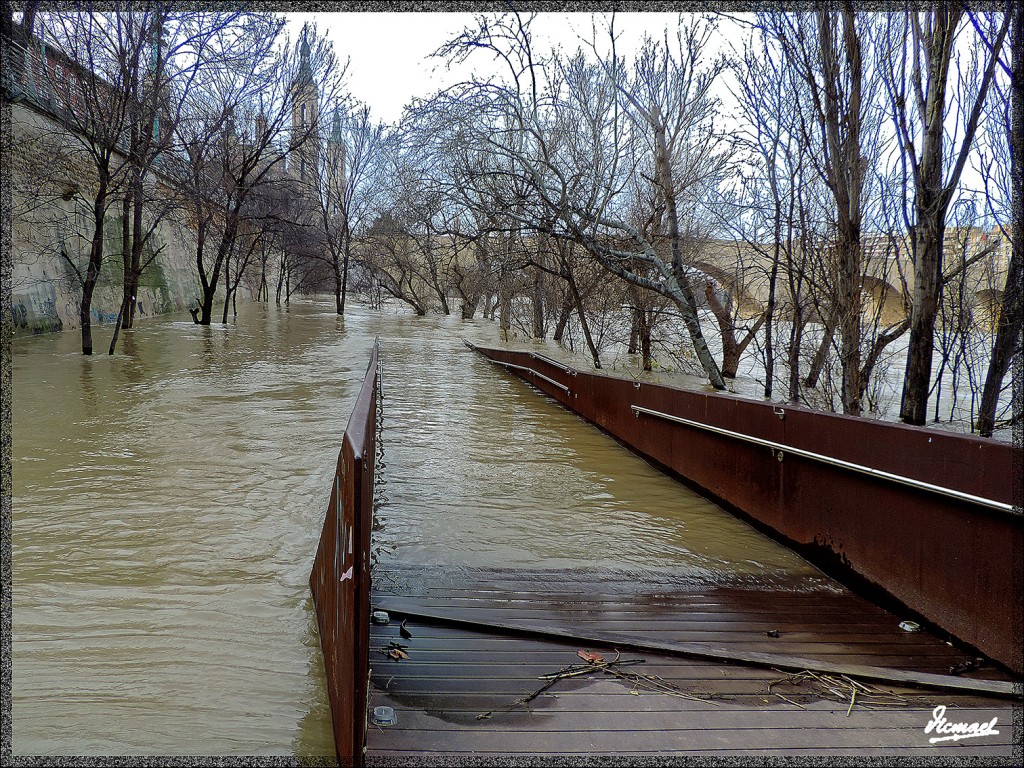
point(555, 363)
point(535, 373)
point(878, 473)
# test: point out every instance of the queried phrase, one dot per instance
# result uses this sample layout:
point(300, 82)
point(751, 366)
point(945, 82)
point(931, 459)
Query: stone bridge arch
point(747, 303)
point(985, 309)
point(882, 299)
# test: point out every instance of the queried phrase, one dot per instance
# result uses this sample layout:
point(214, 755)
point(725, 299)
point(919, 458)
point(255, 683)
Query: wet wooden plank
point(455, 673)
point(892, 668)
point(826, 612)
point(809, 646)
point(632, 603)
point(868, 740)
point(469, 705)
point(724, 718)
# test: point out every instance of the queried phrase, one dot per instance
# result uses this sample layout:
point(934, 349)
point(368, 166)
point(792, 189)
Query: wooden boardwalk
point(471, 684)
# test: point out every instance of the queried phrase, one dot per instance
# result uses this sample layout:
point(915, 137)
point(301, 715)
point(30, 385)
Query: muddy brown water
point(168, 499)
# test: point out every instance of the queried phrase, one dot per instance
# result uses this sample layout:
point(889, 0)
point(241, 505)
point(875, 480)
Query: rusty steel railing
point(784, 449)
point(928, 516)
point(340, 579)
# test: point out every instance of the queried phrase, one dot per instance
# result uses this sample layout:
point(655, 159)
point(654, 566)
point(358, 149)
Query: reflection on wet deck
point(468, 688)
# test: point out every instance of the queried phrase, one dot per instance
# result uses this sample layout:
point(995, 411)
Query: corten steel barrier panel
point(954, 561)
point(340, 578)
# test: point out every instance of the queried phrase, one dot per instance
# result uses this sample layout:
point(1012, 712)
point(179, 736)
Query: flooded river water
point(168, 500)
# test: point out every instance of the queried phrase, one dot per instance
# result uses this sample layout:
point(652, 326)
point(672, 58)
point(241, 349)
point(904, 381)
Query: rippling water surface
point(167, 502)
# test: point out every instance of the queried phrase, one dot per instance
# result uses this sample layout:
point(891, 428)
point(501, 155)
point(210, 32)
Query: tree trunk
point(339, 305)
point(933, 193)
point(467, 307)
point(505, 310)
point(578, 301)
point(126, 261)
point(929, 236)
point(881, 342)
point(209, 285)
point(539, 331)
point(563, 319)
point(263, 291)
point(849, 326)
point(95, 263)
point(634, 332)
point(727, 330)
point(138, 240)
point(821, 353)
point(769, 325)
point(796, 334)
point(126, 255)
point(280, 279)
point(344, 276)
point(844, 174)
point(644, 334)
point(469, 299)
point(227, 291)
point(1011, 310)
point(688, 308)
point(117, 327)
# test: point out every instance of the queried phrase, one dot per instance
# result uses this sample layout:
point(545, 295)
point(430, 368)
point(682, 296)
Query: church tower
point(335, 162)
point(305, 160)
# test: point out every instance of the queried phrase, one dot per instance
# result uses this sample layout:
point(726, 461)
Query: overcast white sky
point(390, 52)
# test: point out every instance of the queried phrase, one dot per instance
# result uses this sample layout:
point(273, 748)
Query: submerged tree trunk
point(467, 307)
point(634, 331)
point(1011, 310)
point(933, 187)
point(95, 263)
point(927, 294)
point(209, 285)
point(280, 278)
point(841, 122)
point(126, 261)
point(134, 272)
point(227, 290)
point(688, 307)
point(796, 333)
point(821, 352)
point(644, 336)
point(563, 319)
point(344, 283)
point(578, 302)
point(769, 326)
point(539, 331)
point(339, 302)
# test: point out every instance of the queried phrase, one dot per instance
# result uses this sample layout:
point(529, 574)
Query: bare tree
point(1001, 170)
point(393, 261)
point(347, 180)
point(183, 47)
point(240, 132)
point(919, 89)
point(827, 51)
point(562, 138)
point(99, 50)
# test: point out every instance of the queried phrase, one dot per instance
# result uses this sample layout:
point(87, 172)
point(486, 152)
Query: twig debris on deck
point(841, 689)
point(596, 663)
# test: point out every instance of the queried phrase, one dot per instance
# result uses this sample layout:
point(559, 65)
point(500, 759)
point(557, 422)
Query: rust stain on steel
point(953, 561)
point(340, 578)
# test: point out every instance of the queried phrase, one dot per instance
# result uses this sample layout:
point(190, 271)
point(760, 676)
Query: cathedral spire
point(305, 75)
point(336, 127)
